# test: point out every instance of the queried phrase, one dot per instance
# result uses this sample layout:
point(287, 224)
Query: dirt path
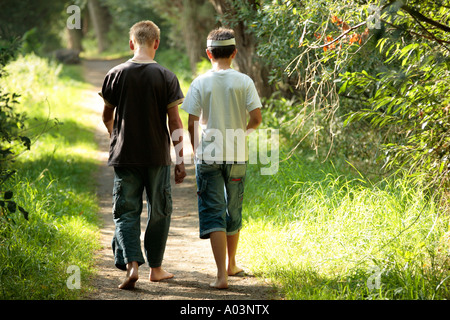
point(187, 256)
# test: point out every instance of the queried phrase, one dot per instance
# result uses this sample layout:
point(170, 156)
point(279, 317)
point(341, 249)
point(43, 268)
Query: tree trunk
point(198, 20)
point(191, 22)
point(74, 37)
point(246, 59)
point(101, 20)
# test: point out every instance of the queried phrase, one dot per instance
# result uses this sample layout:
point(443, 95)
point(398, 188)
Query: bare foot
point(132, 277)
point(129, 283)
point(219, 284)
point(158, 274)
point(234, 270)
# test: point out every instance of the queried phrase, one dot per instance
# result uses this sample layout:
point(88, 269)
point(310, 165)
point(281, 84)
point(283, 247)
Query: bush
point(388, 80)
point(13, 138)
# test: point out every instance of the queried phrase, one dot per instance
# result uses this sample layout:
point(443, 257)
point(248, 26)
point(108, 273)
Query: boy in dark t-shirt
point(139, 96)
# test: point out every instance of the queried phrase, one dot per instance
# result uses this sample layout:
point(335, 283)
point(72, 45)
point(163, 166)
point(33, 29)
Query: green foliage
point(411, 99)
point(61, 231)
point(320, 231)
point(54, 183)
point(374, 87)
point(290, 40)
point(12, 138)
point(38, 22)
point(375, 92)
point(127, 13)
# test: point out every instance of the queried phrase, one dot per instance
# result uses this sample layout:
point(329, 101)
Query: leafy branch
point(347, 31)
point(419, 16)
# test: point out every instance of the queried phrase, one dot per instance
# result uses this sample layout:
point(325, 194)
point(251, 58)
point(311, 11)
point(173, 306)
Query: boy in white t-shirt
point(220, 101)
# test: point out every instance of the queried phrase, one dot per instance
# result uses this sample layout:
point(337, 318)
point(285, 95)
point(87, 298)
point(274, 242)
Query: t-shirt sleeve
point(191, 103)
point(107, 92)
point(175, 95)
point(253, 100)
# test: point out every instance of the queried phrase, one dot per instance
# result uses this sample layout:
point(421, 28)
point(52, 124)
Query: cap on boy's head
point(144, 33)
point(221, 43)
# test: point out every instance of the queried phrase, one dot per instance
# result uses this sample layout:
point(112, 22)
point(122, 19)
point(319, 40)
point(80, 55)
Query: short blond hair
point(144, 33)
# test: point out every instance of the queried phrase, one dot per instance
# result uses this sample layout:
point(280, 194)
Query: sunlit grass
point(320, 234)
point(54, 183)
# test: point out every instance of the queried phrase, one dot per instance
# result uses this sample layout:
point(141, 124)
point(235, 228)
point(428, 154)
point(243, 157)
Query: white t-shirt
point(222, 99)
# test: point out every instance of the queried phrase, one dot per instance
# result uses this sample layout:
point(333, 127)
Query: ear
point(156, 44)
point(209, 54)
point(131, 45)
point(233, 55)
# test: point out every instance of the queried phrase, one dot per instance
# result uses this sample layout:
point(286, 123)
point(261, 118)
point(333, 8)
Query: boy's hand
point(180, 173)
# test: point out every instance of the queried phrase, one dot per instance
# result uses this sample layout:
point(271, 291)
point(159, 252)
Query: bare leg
point(219, 247)
point(232, 243)
point(132, 276)
point(158, 274)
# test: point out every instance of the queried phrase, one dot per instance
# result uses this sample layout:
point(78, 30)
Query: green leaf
point(343, 87)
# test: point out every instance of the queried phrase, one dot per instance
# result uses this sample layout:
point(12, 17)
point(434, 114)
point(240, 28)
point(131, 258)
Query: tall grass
point(321, 232)
point(54, 183)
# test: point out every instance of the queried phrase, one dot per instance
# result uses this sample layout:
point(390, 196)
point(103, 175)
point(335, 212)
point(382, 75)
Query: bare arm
point(108, 118)
point(174, 125)
point(192, 127)
point(255, 119)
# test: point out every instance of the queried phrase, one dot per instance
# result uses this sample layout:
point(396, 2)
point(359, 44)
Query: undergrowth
point(320, 231)
point(41, 258)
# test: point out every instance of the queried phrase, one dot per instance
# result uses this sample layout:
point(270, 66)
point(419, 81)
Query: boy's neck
point(144, 54)
point(221, 64)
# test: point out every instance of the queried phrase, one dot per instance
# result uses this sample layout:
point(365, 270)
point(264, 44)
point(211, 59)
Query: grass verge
point(50, 256)
point(321, 232)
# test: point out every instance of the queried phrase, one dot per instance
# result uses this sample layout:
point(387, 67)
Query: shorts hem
point(232, 233)
point(206, 234)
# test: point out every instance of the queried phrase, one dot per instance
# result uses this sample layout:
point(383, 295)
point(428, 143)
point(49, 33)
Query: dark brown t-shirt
point(141, 94)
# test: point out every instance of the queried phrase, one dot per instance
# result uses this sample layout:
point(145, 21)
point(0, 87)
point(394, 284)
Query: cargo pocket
point(237, 172)
point(235, 185)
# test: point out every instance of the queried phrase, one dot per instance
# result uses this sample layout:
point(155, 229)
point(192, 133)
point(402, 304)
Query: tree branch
point(340, 36)
point(414, 33)
point(415, 14)
point(432, 35)
point(421, 17)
